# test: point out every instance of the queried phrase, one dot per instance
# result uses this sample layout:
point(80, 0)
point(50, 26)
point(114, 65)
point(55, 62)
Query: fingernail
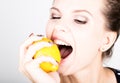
point(31, 34)
point(40, 35)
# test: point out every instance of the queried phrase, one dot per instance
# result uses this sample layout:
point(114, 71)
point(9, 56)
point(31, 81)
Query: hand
point(30, 67)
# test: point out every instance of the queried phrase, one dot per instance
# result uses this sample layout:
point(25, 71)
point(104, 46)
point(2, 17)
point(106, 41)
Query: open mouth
point(65, 50)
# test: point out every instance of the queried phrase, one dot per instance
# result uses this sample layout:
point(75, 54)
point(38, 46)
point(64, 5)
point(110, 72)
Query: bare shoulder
point(116, 74)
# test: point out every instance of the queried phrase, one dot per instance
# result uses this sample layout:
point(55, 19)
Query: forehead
point(90, 5)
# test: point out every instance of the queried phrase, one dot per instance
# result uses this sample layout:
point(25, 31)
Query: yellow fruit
point(51, 51)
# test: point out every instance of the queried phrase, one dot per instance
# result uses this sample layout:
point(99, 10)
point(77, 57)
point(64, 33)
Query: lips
point(65, 48)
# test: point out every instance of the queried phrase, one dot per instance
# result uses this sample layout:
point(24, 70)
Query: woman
point(89, 29)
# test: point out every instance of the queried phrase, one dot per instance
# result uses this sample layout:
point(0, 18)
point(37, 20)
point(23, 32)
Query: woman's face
point(78, 24)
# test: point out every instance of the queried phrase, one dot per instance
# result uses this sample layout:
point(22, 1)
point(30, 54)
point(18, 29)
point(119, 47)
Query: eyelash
point(53, 17)
point(75, 20)
point(80, 21)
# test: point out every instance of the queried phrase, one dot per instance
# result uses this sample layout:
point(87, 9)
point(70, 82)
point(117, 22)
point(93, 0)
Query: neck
point(94, 73)
point(89, 76)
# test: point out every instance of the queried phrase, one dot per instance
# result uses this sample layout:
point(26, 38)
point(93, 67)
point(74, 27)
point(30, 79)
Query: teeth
point(61, 43)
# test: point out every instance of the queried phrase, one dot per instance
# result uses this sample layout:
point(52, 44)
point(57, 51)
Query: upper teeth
point(61, 43)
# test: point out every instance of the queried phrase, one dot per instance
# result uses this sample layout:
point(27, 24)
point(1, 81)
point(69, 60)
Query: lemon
point(51, 51)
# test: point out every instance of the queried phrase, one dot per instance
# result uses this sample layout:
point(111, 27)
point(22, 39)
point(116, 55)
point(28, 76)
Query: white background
point(19, 18)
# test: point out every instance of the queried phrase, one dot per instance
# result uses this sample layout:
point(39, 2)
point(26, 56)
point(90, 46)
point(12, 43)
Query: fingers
point(38, 75)
point(24, 50)
point(30, 67)
point(32, 50)
point(25, 46)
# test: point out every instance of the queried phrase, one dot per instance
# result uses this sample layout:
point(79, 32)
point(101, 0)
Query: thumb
point(38, 75)
point(55, 76)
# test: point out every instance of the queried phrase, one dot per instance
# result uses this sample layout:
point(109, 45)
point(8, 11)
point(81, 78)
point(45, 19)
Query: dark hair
point(112, 15)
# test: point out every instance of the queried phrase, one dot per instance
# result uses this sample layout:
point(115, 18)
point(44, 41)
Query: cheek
point(85, 53)
point(87, 50)
point(87, 41)
point(87, 47)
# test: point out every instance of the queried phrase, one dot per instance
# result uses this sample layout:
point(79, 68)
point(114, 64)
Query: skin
point(85, 38)
point(81, 24)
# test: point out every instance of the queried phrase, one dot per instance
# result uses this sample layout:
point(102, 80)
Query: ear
point(108, 40)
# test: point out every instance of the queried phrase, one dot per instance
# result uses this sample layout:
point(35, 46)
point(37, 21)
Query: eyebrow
point(75, 11)
point(55, 9)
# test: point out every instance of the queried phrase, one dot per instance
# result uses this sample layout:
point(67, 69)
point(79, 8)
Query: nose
point(62, 27)
point(63, 24)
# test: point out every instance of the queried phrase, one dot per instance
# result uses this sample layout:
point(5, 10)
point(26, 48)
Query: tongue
point(65, 52)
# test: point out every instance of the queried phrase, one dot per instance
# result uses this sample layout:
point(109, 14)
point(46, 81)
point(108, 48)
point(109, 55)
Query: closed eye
point(80, 21)
point(53, 17)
